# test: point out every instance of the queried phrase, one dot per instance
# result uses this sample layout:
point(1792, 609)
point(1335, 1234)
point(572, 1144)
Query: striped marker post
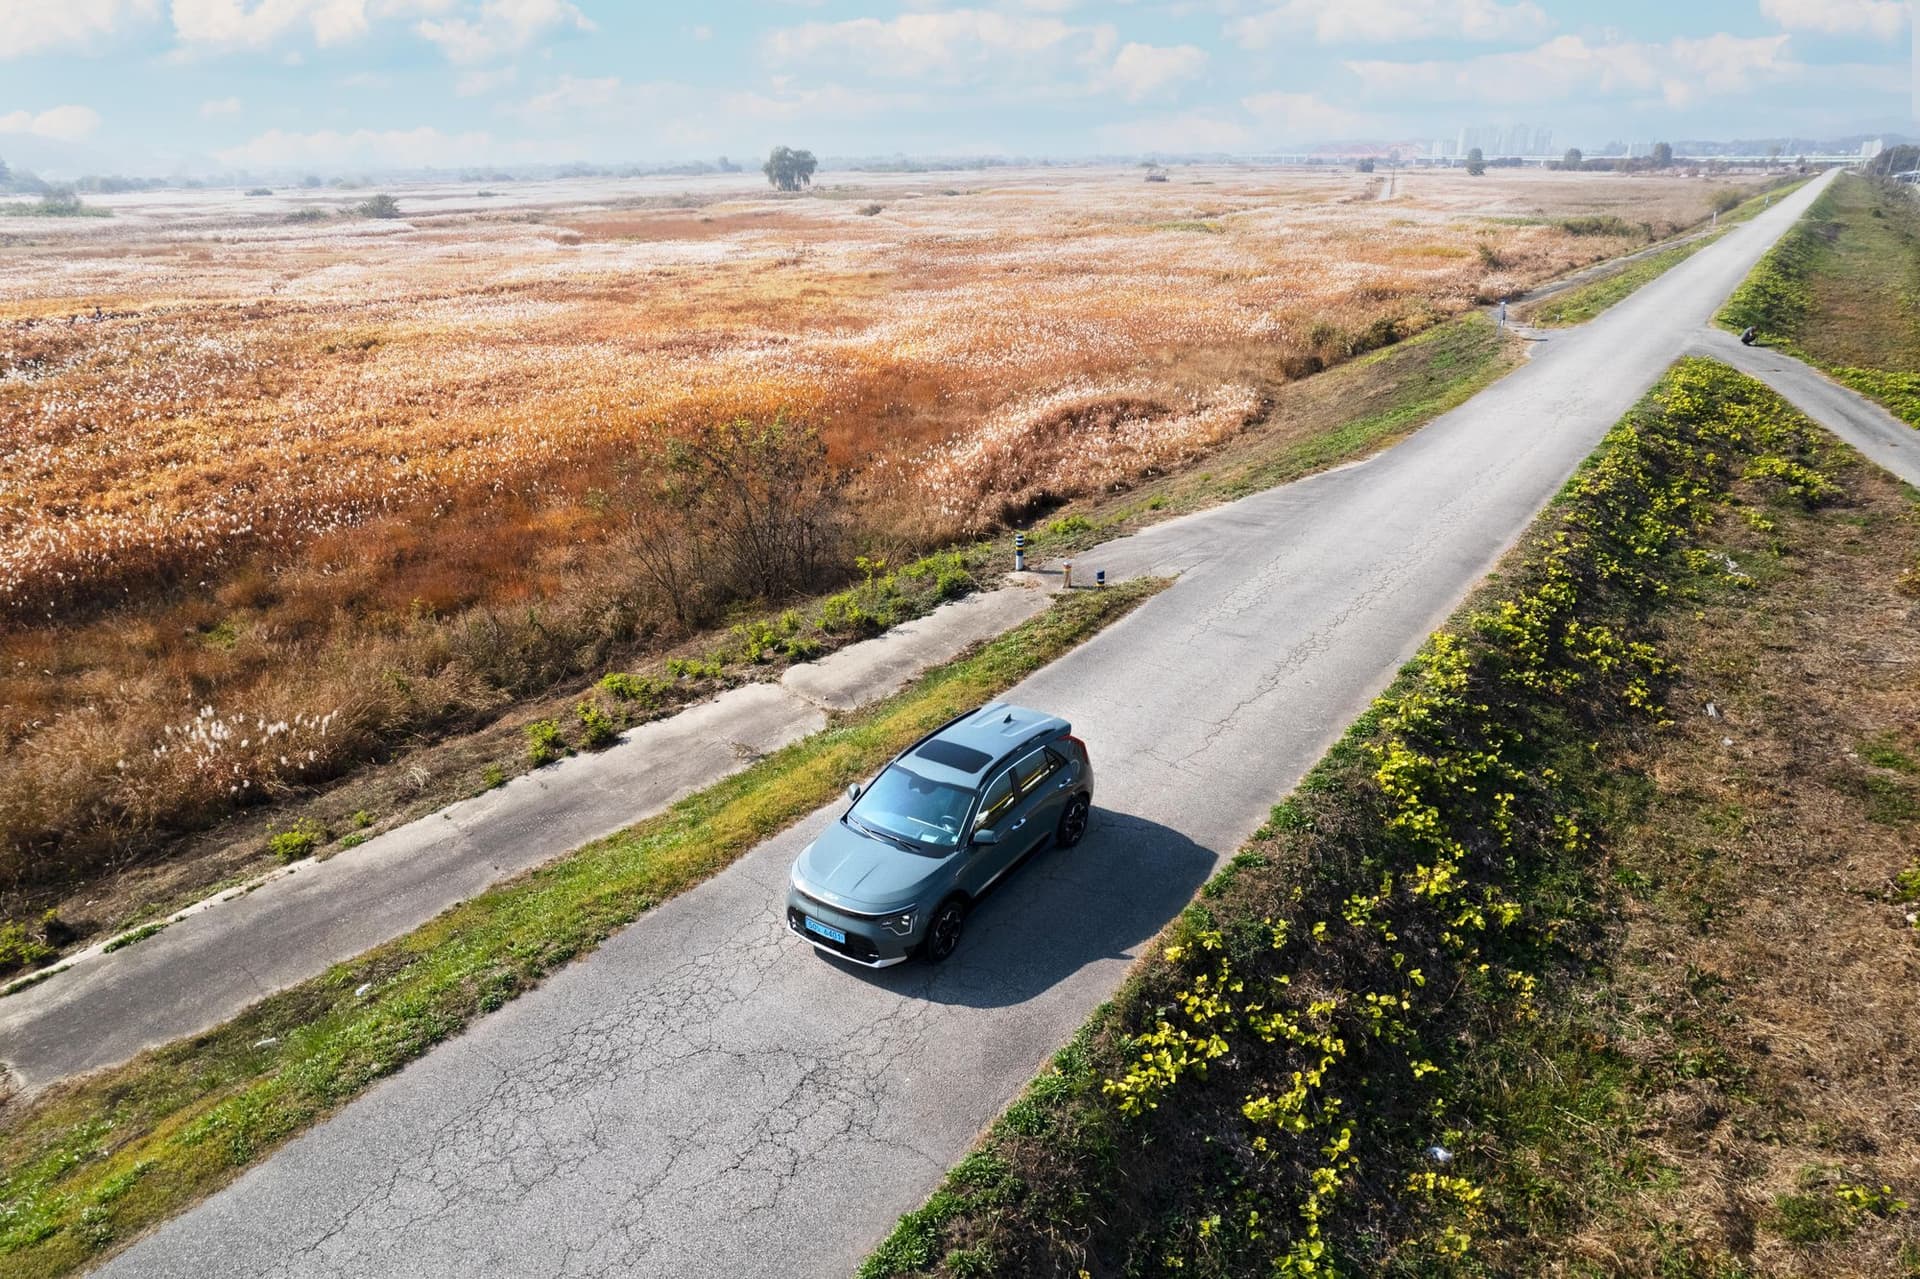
point(1019, 552)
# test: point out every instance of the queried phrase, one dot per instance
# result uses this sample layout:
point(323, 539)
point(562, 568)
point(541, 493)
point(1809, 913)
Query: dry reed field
point(278, 497)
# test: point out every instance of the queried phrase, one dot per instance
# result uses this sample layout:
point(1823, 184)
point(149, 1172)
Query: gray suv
point(950, 815)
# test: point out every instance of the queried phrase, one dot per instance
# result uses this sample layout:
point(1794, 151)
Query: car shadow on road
point(1061, 910)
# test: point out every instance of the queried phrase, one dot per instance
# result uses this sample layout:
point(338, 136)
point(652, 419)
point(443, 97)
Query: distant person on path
point(1503, 313)
point(1749, 335)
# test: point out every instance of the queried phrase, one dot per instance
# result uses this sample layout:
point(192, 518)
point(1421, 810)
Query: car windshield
point(909, 807)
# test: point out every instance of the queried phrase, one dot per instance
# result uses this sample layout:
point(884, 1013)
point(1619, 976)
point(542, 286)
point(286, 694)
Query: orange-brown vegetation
point(275, 498)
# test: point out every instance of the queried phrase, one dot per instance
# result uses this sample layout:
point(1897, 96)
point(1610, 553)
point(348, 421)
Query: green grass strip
point(1578, 305)
point(1461, 359)
point(89, 1164)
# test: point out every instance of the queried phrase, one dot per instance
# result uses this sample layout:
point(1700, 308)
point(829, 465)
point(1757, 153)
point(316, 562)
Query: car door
point(1036, 806)
point(999, 799)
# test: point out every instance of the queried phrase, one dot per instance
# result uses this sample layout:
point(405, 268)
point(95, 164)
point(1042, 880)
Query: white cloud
point(1679, 72)
point(1185, 133)
point(1033, 54)
point(363, 148)
point(1140, 71)
point(29, 26)
point(1882, 18)
point(1305, 117)
point(501, 27)
point(1391, 21)
point(62, 124)
point(256, 24)
point(951, 46)
point(218, 107)
point(817, 102)
point(473, 84)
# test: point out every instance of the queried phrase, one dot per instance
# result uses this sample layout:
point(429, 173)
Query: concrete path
point(706, 1096)
point(1876, 433)
point(218, 957)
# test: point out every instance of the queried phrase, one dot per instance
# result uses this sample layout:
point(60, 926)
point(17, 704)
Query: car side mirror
point(854, 790)
point(985, 837)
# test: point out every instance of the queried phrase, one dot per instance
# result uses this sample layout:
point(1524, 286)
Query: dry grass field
point(278, 496)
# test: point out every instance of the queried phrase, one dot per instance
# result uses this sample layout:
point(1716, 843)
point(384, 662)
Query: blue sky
point(151, 85)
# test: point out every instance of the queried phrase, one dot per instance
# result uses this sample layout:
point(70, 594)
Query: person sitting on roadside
point(1749, 335)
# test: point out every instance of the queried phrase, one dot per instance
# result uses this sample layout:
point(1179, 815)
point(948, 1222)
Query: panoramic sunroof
point(954, 755)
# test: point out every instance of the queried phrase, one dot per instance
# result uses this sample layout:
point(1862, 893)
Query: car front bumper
point(867, 944)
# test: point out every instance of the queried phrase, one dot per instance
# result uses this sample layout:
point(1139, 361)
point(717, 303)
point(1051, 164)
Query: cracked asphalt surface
point(706, 1096)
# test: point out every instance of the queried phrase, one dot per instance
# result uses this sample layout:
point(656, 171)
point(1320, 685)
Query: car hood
point(847, 869)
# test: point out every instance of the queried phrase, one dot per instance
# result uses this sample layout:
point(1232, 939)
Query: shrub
point(544, 743)
point(623, 687)
point(54, 930)
point(378, 206)
point(801, 648)
point(1069, 525)
point(18, 949)
point(737, 510)
point(308, 214)
point(596, 729)
point(494, 777)
point(709, 667)
point(298, 841)
point(1603, 224)
point(868, 210)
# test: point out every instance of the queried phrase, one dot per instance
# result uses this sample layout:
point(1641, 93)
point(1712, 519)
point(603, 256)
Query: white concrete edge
point(382, 843)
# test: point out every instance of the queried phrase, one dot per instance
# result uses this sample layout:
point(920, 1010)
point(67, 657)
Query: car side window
point(996, 800)
point(1034, 769)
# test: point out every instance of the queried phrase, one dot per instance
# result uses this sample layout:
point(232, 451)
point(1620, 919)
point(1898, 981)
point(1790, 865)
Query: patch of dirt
point(1770, 964)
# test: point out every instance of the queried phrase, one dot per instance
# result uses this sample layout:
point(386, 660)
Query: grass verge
point(1838, 290)
point(91, 1163)
point(1584, 302)
point(1294, 1081)
point(1578, 305)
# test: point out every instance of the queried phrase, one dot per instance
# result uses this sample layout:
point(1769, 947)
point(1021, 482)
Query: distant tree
point(789, 170)
point(6, 174)
point(727, 166)
point(1476, 162)
point(378, 206)
point(1366, 165)
point(311, 181)
point(1572, 159)
point(1662, 155)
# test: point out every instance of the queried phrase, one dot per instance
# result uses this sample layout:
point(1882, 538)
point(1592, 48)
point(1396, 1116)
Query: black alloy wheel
point(943, 934)
point(1073, 823)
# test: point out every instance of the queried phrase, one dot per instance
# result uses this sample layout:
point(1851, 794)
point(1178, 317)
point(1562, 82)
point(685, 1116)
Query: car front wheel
point(1073, 823)
point(943, 934)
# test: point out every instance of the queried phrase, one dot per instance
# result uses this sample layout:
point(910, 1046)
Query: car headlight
point(899, 925)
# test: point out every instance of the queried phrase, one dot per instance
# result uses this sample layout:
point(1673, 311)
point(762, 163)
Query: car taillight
point(1082, 745)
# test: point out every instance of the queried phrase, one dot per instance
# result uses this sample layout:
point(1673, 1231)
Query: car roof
point(967, 747)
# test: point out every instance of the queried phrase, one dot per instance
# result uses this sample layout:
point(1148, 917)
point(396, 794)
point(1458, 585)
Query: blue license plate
point(827, 931)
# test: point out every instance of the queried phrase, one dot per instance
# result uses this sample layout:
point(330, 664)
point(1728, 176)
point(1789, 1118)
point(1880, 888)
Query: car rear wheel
point(1073, 823)
point(943, 933)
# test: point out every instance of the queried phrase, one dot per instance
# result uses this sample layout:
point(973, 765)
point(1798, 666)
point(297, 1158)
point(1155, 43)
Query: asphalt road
point(705, 1096)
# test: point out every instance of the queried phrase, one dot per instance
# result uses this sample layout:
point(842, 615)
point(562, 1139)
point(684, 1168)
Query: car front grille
point(855, 947)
